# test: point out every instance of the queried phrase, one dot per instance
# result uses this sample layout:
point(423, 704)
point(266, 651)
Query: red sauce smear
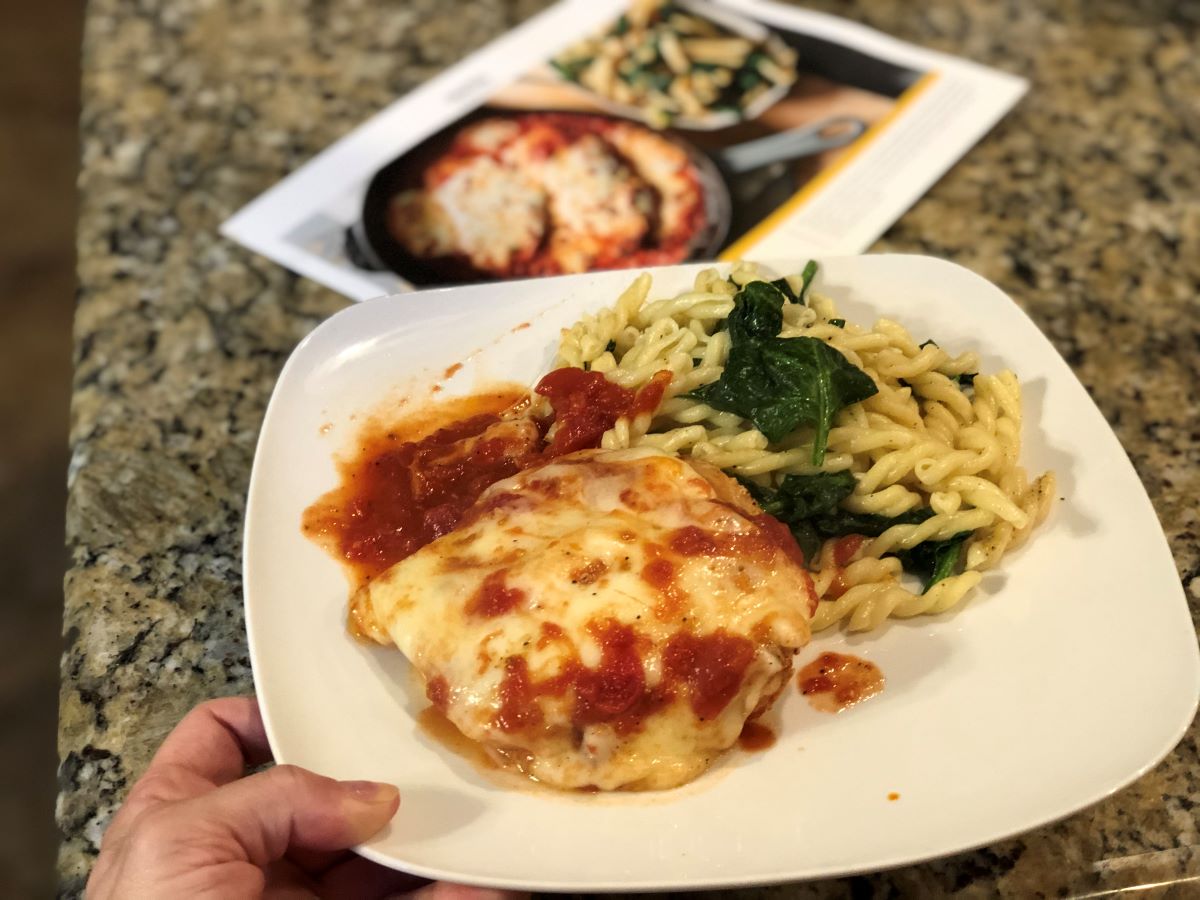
point(412, 483)
point(494, 597)
point(586, 404)
point(845, 548)
point(834, 681)
point(708, 669)
point(405, 487)
point(756, 736)
point(616, 691)
point(659, 573)
point(769, 536)
point(712, 667)
point(781, 536)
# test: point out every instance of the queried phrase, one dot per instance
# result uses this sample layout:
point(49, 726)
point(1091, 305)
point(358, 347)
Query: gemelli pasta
point(895, 464)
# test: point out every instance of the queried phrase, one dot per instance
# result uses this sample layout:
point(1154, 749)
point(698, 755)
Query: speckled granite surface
point(1084, 204)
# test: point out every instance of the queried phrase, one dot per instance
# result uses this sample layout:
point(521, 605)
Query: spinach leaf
point(571, 71)
point(934, 560)
point(964, 379)
point(800, 498)
point(806, 279)
point(810, 506)
point(757, 313)
point(838, 323)
point(808, 539)
point(768, 499)
point(781, 284)
point(781, 383)
point(806, 496)
point(841, 522)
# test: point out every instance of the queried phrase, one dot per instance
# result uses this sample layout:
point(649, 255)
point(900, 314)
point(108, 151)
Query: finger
point(285, 882)
point(444, 890)
point(317, 862)
point(360, 878)
point(217, 740)
point(211, 746)
point(289, 807)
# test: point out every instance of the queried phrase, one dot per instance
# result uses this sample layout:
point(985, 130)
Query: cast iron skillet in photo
point(371, 246)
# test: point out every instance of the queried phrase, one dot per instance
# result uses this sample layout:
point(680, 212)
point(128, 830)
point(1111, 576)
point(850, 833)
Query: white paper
point(912, 136)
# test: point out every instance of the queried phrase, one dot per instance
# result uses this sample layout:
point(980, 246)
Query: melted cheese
point(668, 170)
point(482, 209)
point(612, 618)
point(537, 197)
point(599, 207)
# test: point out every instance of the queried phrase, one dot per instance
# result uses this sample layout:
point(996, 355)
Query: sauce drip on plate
point(755, 737)
point(834, 681)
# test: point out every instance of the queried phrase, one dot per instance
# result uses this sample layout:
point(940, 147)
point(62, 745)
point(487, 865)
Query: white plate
point(1071, 672)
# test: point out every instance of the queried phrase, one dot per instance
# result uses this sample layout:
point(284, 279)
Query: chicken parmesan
point(550, 193)
point(606, 619)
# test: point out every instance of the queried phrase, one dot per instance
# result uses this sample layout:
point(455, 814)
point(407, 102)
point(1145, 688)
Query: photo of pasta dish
point(603, 581)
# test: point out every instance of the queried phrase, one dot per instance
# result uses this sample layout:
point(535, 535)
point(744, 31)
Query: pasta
point(668, 61)
point(935, 448)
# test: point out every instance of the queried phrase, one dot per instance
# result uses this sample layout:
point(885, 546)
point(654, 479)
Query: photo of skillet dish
point(372, 245)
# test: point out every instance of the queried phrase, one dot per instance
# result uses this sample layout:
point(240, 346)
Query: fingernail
point(371, 791)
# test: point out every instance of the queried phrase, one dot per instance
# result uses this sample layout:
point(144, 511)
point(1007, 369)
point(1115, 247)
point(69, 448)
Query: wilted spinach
point(781, 383)
point(810, 506)
point(934, 560)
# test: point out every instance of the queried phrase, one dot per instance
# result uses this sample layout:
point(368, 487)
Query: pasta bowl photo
point(706, 576)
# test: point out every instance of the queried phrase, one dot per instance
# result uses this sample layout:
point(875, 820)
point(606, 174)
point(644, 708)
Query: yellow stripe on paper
point(739, 247)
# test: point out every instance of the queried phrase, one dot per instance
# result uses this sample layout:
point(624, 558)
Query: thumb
point(289, 807)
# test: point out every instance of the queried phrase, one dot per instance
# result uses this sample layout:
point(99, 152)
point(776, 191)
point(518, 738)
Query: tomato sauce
point(755, 736)
point(707, 669)
point(844, 548)
point(712, 668)
point(411, 483)
point(769, 537)
point(405, 486)
point(616, 691)
point(834, 681)
point(659, 573)
point(586, 404)
point(781, 536)
point(494, 597)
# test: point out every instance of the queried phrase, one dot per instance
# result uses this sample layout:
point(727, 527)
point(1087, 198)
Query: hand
point(193, 826)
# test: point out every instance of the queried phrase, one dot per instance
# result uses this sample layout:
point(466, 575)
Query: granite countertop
point(1084, 204)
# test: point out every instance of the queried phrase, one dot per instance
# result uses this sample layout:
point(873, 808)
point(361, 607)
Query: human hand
point(194, 826)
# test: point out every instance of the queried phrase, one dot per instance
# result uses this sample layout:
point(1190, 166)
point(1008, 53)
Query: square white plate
point(1072, 671)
